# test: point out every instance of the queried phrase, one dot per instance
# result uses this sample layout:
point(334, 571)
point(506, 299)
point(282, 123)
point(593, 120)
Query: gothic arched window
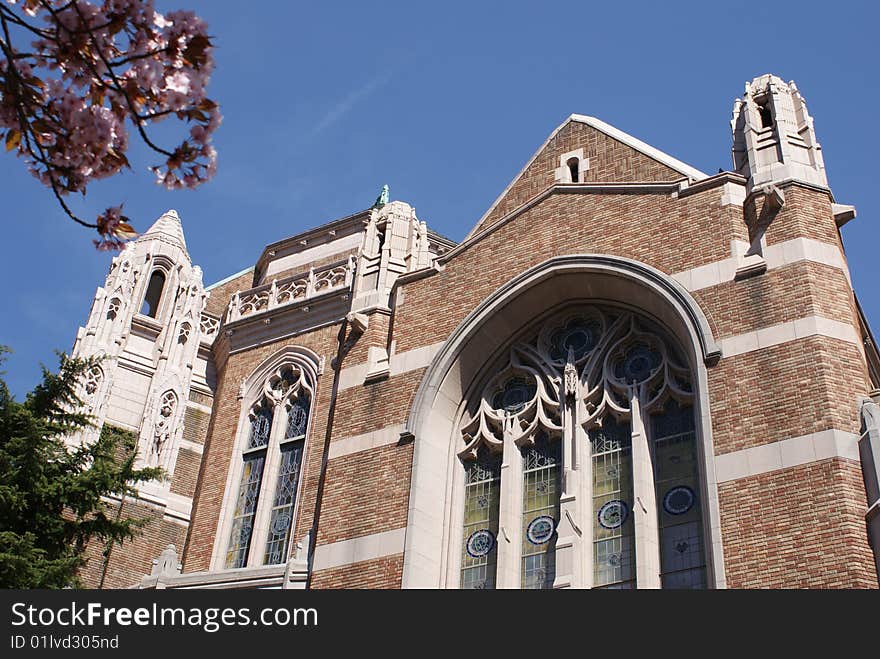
point(153, 295)
point(271, 464)
point(592, 418)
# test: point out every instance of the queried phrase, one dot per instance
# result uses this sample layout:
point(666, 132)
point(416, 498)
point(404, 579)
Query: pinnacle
point(168, 225)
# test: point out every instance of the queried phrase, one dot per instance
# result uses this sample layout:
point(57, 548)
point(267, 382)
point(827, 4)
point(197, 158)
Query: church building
point(629, 374)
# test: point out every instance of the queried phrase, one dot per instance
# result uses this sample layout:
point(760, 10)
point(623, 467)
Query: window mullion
point(270, 474)
point(583, 511)
point(645, 503)
point(510, 512)
point(569, 550)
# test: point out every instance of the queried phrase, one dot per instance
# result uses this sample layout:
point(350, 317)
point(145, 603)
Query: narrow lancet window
point(766, 114)
point(150, 306)
point(284, 505)
point(249, 490)
point(541, 489)
point(614, 558)
point(682, 554)
point(481, 503)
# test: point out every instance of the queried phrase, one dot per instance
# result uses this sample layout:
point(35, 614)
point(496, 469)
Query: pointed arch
point(263, 480)
point(484, 334)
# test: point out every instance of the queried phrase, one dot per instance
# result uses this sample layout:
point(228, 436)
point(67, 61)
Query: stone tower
point(773, 135)
point(146, 324)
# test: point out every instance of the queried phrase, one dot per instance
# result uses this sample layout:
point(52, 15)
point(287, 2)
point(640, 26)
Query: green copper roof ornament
point(382, 199)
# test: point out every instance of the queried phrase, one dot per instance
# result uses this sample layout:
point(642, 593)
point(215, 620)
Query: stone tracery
point(600, 357)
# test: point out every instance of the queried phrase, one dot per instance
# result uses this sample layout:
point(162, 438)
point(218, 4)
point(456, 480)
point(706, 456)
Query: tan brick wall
point(376, 334)
point(195, 425)
point(385, 572)
point(780, 295)
point(788, 390)
point(186, 472)
point(366, 492)
point(220, 296)
point(373, 406)
point(695, 230)
point(133, 559)
point(802, 527)
point(805, 214)
point(610, 162)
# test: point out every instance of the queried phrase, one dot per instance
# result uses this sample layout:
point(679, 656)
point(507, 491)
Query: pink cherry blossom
point(84, 71)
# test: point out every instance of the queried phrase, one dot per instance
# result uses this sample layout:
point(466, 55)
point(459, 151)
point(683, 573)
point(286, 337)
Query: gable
point(614, 157)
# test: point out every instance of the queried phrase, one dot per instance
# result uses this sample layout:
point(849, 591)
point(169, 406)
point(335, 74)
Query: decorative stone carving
point(163, 426)
point(597, 356)
point(293, 289)
point(167, 564)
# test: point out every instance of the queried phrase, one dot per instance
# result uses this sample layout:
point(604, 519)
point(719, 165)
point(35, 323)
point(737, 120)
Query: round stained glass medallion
point(613, 514)
point(679, 500)
point(577, 335)
point(280, 524)
point(480, 543)
point(638, 364)
point(541, 529)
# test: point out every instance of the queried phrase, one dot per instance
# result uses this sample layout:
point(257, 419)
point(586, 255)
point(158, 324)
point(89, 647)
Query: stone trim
point(402, 362)
point(785, 332)
point(262, 576)
point(191, 446)
point(786, 453)
point(342, 246)
point(776, 256)
point(364, 548)
point(357, 443)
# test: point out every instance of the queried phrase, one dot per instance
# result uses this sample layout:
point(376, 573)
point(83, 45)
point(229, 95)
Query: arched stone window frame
point(261, 385)
point(167, 268)
point(433, 535)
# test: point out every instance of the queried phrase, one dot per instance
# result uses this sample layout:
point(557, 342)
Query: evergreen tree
point(52, 494)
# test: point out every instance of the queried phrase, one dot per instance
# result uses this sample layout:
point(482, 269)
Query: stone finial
point(382, 199)
point(168, 563)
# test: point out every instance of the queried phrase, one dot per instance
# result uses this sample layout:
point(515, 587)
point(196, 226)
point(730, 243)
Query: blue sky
point(325, 102)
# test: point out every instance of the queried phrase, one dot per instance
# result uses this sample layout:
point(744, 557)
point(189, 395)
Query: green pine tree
point(52, 495)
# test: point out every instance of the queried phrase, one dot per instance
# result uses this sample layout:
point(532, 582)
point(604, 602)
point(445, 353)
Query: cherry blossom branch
point(64, 104)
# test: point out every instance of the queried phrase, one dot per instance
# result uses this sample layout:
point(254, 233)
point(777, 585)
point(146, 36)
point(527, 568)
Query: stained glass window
point(283, 506)
point(541, 490)
point(612, 372)
point(682, 554)
point(482, 496)
point(245, 508)
point(261, 426)
point(298, 417)
point(516, 393)
point(613, 529)
point(255, 493)
point(578, 335)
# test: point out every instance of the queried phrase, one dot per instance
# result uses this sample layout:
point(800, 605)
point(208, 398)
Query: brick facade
point(775, 381)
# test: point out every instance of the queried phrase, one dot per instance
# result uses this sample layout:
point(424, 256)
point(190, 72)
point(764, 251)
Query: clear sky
point(444, 101)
